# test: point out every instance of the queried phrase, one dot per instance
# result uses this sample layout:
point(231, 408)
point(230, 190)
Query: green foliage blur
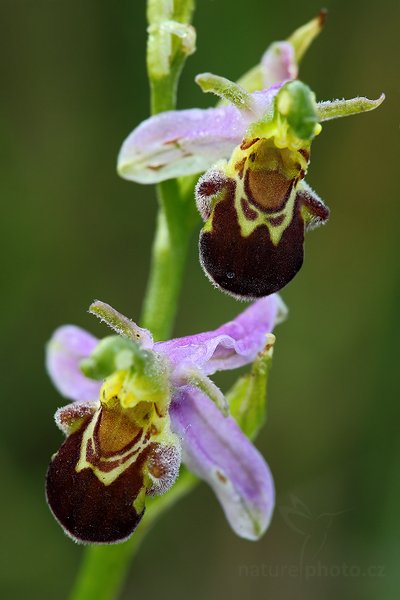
point(73, 85)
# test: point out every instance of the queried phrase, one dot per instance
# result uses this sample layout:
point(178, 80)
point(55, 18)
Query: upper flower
point(138, 406)
point(254, 200)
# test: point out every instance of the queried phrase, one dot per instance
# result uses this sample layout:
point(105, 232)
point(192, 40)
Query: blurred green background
point(73, 85)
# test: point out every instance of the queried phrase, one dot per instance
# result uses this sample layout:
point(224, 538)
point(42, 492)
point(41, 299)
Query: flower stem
point(104, 568)
point(176, 208)
point(174, 227)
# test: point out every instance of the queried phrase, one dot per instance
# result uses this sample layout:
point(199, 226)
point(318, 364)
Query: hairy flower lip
point(243, 252)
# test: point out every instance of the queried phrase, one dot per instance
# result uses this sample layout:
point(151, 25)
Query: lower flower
point(140, 408)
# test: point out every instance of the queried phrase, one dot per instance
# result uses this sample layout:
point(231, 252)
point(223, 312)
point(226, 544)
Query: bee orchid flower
point(255, 149)
point(138, 408)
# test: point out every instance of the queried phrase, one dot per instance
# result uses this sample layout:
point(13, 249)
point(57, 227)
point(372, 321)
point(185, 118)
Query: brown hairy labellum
point(256, 209)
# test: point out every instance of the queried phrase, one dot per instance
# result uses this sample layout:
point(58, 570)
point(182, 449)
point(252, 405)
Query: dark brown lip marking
point(305, 153)
point(107, 466)
point(250, 267)
point(89, 511)
point(276, 221)
point(108, 424)
point(248, 143)
point(70, 414)
point(210, 187)
point(322, 16)
point(248, 212)
point(317, 211)
point(268, 190)
point(239, 166)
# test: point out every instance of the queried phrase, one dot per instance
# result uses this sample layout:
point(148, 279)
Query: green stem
point(174, 226)
point(168, 260)
point(104, 567)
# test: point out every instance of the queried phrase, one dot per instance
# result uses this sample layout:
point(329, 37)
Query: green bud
point(113, 353)
point(170, 41)
point(296, 103)
point(162, 51)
